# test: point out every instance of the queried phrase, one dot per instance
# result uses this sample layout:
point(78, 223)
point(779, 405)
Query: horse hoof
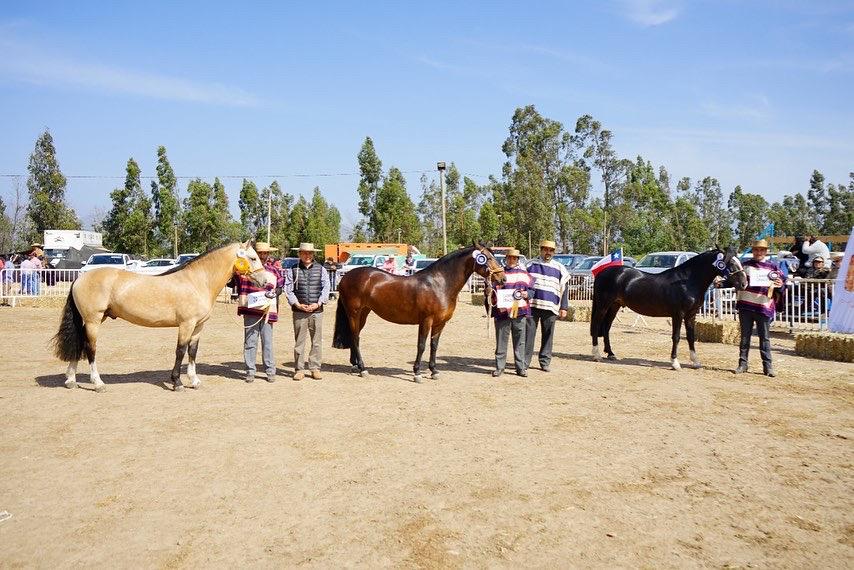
point(363, 373)
point(675, 365)
point(434, 376)
point(100, 387)
point(70, 384)
point(612, 357)
point(196, 384)
point(417, 379)
point(178, 388)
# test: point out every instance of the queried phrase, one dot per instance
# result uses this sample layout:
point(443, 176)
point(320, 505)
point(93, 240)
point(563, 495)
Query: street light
point(441, 167)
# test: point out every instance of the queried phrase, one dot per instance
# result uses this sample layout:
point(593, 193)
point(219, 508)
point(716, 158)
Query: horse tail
point(70, 340)
point(343, 336)
point(594, 314)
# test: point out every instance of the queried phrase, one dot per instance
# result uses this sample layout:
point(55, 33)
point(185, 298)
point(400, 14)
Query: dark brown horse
point(676, 293)
point(427, 299)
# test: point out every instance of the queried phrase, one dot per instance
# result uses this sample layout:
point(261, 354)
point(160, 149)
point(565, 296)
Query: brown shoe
point(299, 374)
point(316, 374)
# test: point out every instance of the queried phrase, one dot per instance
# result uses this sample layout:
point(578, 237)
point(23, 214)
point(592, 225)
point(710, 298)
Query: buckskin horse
point(677, 293)
point(427, 299)
point(181, 297)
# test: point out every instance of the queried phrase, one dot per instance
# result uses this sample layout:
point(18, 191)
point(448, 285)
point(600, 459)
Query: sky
point(756, 93)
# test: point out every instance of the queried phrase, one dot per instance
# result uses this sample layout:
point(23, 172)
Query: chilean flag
point(613, 260)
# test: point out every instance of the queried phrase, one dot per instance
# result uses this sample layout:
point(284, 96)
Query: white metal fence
point(580, 286)
point(806, 305)
point(18, 284)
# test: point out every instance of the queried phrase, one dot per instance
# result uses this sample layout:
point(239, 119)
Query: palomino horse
point(677, 293)
point(427, 299)
point(182, 297)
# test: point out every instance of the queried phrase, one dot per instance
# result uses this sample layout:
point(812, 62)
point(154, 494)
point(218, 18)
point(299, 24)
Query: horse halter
point(242, 265)
point(723, 267)
point(480, 258)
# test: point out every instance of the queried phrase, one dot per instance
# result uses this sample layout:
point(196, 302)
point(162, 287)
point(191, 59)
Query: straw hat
point(548, 243)
point(263, 246)
point(818, 258)
point(759, 244)
point(834, 255)
point(513, 253)
point(305, 246)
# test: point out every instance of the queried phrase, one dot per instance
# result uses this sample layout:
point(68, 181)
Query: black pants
point(747, 319)
point(547, 319)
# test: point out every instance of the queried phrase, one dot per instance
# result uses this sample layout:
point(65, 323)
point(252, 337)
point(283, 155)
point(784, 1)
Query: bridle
point(492, 271)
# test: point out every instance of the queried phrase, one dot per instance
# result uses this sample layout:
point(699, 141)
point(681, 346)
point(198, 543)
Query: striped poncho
point(550, 280)
point(756, 299)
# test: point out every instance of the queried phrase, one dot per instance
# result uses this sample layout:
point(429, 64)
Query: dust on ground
point(621, 463)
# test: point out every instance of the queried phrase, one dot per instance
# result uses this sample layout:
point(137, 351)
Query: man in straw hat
point(512, 320)
point(550, 300)
point(307, 290)
point(258, 321)
point(755, 305)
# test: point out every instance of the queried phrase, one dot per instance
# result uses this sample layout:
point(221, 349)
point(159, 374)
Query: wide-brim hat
point(759, 244)
point(836, 255)
point(548, 243)
point(305, 246)
point(263, 246)
point(513, 253)
point(818, 258)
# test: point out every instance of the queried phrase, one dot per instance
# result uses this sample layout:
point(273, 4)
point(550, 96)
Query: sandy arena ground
point(592, 465)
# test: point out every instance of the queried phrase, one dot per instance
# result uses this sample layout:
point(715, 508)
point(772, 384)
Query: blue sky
point(752, 93)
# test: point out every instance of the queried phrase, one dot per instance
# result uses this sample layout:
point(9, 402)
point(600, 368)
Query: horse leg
point(434, 345)
point(606, 330)
point(357, 323)
point(677, 324)
point(71, 375)
point(423, 331)
point(689, 333)
point(185, 331)
point(91, 329)
point(191, 352)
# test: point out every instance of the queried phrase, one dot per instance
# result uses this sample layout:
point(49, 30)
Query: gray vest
point(308, 283)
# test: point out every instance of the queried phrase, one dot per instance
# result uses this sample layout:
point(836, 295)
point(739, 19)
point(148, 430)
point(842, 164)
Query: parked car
point(570, 260)
point(629, 261)
point(660, 261)
point(422, 264)
point(100, 260)
point(156, 266)
point(289, 262)
point(185, 257)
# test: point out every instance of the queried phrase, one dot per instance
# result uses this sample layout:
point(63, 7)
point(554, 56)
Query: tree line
point(546, 189)
point(155, 223)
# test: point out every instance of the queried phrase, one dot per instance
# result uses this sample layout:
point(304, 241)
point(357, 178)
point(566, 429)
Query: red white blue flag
point(613, 260)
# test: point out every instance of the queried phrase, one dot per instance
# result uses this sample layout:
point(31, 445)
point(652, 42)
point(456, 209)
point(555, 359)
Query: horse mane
point(448, 258)
point(196, 259)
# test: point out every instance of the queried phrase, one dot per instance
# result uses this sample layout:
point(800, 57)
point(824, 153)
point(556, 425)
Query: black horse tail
point(70, 341)
point(595, 318)
point(343, 336)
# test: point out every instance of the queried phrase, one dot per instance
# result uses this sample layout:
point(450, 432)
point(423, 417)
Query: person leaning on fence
point(307, 290)
point(814, 247)
point(551, 298)
point(755, 306)
point(512, 321)
point(258, 307)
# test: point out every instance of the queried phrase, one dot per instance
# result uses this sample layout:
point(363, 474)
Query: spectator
point(814, 247)
point(818, 269)
point(390, 264)
point(27, 276)
point(6, 276)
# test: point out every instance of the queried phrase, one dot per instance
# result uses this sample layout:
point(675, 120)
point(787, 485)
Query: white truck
point(57, 243)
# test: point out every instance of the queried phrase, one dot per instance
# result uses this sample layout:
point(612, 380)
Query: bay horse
point(677, 293)
point(427, 299)
point(182, 297)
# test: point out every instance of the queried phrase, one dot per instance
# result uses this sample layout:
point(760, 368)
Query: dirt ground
point(614, 464)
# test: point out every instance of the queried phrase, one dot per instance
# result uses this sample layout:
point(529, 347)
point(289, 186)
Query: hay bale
point(477, 299)
point(825, 345)
point(726, 332)
point(578, 314)
point(41, 302)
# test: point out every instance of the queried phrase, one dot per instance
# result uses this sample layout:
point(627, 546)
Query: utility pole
point(441, 167)
point(175, 242)
point(269, 211)
point(398, 234)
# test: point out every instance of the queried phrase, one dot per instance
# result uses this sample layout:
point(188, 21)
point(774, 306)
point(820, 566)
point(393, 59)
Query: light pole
point(441, 167)
point(269, 212)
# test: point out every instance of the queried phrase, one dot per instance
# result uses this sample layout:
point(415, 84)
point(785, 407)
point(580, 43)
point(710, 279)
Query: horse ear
point(718, 247)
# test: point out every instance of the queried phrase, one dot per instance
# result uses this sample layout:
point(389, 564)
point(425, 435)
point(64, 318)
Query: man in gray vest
point(307, 290)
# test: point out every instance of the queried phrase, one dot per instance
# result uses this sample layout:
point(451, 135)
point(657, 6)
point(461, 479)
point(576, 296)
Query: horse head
point(729, 267)
point(247, 263)
point(486, 265)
